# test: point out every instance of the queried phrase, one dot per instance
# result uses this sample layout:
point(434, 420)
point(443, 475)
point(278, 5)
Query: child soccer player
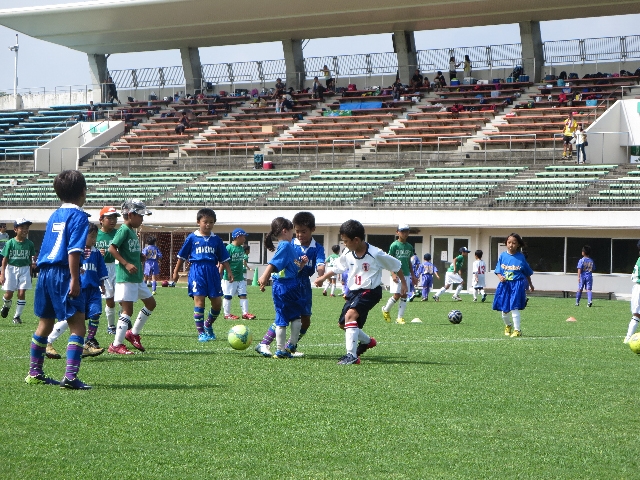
point(454, 276)
point(635, 299)
point(415, 266)
point(365, 263)
point(125, 248)
point(151, 265)
point(18, 254)
point(514, 274)
point(479, 271)
point(4, 238)
point(94, 272)
point(332, 280)
point(204, 250)
point(403, 251)
point(239, 285)
point(304, 224)
point(585, 275)
point(286, 292)
point(108, 220)
point(58, 292)
point(426, 271)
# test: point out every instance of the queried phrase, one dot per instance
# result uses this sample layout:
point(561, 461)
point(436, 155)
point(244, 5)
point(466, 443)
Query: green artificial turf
point(432, 400)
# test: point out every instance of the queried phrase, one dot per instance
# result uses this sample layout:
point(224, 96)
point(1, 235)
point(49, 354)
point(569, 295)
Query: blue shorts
point(52, 298)
point(204, 280)
point(287, 300)
point(585, 282)
point(362, 301)
point(345, 283)
point(307, 295)
point(92, 301)
point(511, 295)
point(151, 268)
point(427, 281)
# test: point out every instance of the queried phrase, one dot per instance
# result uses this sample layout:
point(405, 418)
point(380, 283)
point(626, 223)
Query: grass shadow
point(157, 386)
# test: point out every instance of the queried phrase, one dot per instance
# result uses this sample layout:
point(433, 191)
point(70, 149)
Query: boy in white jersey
point(479, 271)
point(365, 264)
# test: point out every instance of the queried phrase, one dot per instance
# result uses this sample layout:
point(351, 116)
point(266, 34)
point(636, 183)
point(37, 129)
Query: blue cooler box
point(524, 78)
point(455, 83)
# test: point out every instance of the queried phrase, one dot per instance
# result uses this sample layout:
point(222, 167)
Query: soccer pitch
point(432, 400)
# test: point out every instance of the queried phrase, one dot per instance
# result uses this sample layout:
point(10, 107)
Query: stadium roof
point(120, 26)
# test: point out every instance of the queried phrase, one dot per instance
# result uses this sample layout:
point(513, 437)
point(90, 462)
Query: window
point(600, 253)
point(624, 253)
point(544, 254)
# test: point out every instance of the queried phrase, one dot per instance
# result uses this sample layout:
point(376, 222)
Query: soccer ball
point(634, 343)
point(455, 316)
point(165, 284)
point(240, 337)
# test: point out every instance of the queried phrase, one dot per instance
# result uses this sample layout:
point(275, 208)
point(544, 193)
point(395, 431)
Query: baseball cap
point(237, 232)
point(464, 250)
point(135, 206)
point(2, 224)
point(403, 226)
point(21, 221)
point(108, 211)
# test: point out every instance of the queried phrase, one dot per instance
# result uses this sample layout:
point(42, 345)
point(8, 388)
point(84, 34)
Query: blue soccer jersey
point(284, 261)
point(314, 252)
point(151, 252)
point(586, 267)
point(513, 267)
point(95, 270)
point(66, 233)
point(198, 248)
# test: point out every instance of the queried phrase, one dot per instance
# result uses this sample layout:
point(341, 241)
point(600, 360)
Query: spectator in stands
point(439, 81)
point(581, 142)
point(278, 103)
point(318, 89)
point(467, 66)
point(398, 88)
point(330, 82)
point(112, 91)
point(417, 81)
point(562, 99)
point(568, 130)
point(279, 88)
point(287, 102)
point(452, 68)
point(92, 111)
point(183, 124)
point(176, 97)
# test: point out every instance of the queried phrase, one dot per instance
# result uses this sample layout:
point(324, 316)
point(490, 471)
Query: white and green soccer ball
point(634, 343)
point(240, 337)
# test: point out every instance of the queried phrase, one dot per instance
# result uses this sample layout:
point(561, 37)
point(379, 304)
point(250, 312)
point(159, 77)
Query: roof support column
point(98, 72)
point(192, 69)
point(532, 52)
point(404, 45)
point(294, 63)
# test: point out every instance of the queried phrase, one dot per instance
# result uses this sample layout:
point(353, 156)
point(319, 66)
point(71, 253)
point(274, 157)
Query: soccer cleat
point(425, 299)
point(456, 298)
point(349, 359)
point(577, 304)
point(4, 312)
point(589, 304)
point(209, 332)
point(475, 300)
point(484, 297)
point(263, 349)
point(75, 384)
point(333, 295)
point(119, 350)
point(508, 330)
point(526, 302)
point(297, 354)
point(516, 333)
point(51, 352)
point(149, 284)
point(134, 340)
point(111, 330)
point(17, 320)
point(324, 293)
point(88, 351)
point(40, 379)
point(282, 354)
point(248, 316)
point(386, 316)
point(363, 347)
point(92, 343)
point(400, 321)
point(154, 293)
point(231, 316)
point(436, 298)
point(626, 339)
point(203, 337)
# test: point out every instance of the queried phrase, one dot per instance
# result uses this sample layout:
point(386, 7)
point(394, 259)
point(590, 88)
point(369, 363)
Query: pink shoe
point(363, 348)
point(134, 340)
point(231, 316)
point(249, 316)
point(119, 350)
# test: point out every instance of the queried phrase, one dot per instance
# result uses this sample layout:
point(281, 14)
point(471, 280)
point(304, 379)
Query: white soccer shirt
point(479, 267)
point(366, 272)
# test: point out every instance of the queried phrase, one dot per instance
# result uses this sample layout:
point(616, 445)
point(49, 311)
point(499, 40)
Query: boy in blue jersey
point(151, 265)
point(204, 250)
point(425, 273)
point(94, 273)
point(58, 292)
point(585, 275)
point(304, 224)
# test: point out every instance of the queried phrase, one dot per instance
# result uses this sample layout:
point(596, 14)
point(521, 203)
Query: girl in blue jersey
point(287, 291)
point(514, 274)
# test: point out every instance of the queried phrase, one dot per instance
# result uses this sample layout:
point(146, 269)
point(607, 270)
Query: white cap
point(403, 226)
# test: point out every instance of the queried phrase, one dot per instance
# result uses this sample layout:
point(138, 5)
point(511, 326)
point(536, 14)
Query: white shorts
point(452, 278)
point(396, 287)
point(110, 281)
point(131, 292)
point(17, 278)
point(234, 288)
point(635, 299)
point(480, 283)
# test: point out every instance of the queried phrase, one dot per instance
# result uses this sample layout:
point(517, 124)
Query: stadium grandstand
point(464, 164)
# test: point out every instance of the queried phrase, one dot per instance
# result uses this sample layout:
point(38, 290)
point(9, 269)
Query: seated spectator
point(279, 88)
point(318, 89)
point(278, 103)
point(417, 81)
point(176, 97)
point(183, 124)
point(330, 82)
point(398, 88)
point(562, 99)
point(439, 82)
point(262, 103)
point(287, 103)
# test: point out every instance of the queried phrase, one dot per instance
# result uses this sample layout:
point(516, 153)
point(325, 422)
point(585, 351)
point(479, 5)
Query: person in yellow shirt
point(570, 126)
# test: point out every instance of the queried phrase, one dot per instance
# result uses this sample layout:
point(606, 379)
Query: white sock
point(58, 329)
point(402, 307)
point(458, 290)
point(390, 303)
point(482, 292)
point(123, 325)
point(281, 337)
point(351, 339)
point(440, 292)
point(244, 305)
point(633, 324)
point(363, 338)
point(506, 319)
point(295, 325)
point(7, 303)
point(20, 307)
point(333, 288)
point(143, 316)
point(515, 314)
point(111, 316)
point(226, 306)
point(475, 293)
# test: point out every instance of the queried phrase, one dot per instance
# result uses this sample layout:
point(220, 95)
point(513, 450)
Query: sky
point(45, 65)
